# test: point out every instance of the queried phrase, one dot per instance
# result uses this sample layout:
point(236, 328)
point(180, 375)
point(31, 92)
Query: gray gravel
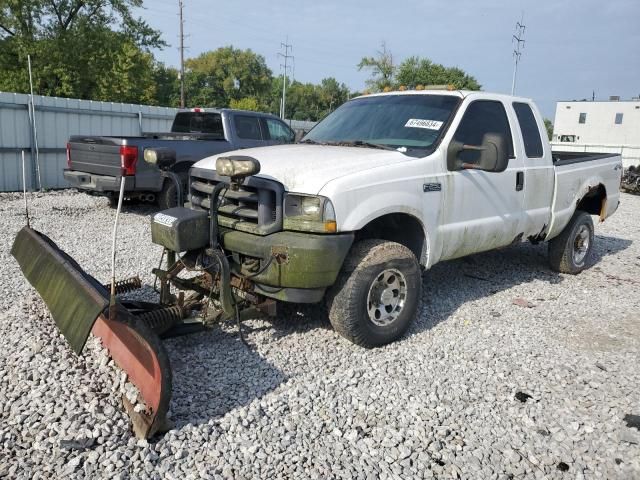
point(444, 402)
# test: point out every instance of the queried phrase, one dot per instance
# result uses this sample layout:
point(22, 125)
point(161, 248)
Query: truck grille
point(256, 207)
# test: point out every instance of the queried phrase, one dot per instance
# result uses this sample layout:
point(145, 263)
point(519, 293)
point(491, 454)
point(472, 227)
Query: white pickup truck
point(393, 182)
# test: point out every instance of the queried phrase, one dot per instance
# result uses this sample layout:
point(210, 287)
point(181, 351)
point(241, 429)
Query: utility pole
point(181, 5)
point(518, 39)
point(286, 57)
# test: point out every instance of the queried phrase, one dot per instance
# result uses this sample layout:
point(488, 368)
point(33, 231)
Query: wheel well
point(402, 228)
point(181, 167)
point(595, 201)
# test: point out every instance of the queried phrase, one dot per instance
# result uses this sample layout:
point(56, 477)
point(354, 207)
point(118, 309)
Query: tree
point(217, 77)
point(548, 125)
point(85, 48)
point(381, 67)
point(167, 84)
point(416, 71)
point(308, 101)
point(246, 103)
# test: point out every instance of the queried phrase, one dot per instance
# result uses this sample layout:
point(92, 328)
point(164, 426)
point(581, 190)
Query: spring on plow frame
point(126, 285)
point(162, 319)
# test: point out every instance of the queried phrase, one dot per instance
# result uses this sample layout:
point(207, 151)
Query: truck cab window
point(482, 117)
point(247, 127)
point(529, 130)
point(198, 122)
point(279, 131)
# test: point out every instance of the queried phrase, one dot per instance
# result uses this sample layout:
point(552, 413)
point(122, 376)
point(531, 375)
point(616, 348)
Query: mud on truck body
point(382, 189)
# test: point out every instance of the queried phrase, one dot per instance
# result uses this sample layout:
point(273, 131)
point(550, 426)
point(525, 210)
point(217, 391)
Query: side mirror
point(491, 156)
point(163, 158)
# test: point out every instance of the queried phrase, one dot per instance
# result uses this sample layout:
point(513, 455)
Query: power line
point(286, 57)
point(518, 39)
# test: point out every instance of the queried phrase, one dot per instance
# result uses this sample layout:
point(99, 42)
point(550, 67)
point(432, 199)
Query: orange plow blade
point(138, 351)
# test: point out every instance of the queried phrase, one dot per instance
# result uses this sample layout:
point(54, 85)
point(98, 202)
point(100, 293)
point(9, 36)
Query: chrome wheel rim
point(387, 297)
point(581, 244)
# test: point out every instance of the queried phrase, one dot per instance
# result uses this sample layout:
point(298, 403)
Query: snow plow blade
point(79, 304)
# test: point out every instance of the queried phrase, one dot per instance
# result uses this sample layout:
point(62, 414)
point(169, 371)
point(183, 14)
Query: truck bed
point(577, 174)
point(567, 158)
point(100, 155)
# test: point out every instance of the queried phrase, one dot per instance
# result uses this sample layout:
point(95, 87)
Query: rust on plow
point(138, 351)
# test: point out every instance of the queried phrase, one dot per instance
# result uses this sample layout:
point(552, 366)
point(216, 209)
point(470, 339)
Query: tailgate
point(97, 155)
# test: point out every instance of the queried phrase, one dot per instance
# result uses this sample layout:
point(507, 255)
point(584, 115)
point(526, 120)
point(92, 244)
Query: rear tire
point(113, 200)
point(377, 293)
point(168, 197)
point(570, 251)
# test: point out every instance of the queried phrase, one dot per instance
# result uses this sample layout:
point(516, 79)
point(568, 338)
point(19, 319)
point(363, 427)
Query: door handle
point(519, 181)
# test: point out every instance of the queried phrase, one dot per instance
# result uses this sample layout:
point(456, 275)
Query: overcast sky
point(573, 47)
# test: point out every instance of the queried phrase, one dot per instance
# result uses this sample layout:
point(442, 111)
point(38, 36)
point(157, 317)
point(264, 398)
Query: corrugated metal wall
point(59, 118)
point(56, 120)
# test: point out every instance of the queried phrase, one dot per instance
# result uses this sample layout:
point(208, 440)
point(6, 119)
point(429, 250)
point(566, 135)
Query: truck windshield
point(402, 122)
point(198, 122)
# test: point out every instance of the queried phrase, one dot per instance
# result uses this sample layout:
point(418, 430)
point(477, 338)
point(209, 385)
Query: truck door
point(538, 172)
point(482, 210)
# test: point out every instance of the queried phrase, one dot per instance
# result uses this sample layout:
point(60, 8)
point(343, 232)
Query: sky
point(572, 47)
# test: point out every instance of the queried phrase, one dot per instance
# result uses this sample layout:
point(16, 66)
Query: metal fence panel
point(59, 118)
point(56, 120)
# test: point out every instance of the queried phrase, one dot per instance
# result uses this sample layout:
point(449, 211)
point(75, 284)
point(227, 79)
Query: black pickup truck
point(96, 164)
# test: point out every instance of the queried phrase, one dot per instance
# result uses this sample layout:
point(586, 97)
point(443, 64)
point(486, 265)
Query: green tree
point(86, 49)
point(416, 71)
point(381, 67)
point(216, 77)
point(548, 125)
point(167, 85)
point(331, 95)
point(246, 103)
point(308, 101)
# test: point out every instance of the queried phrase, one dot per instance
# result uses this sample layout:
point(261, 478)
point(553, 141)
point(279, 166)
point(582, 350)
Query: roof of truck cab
point(452, 93)
point(224, 109)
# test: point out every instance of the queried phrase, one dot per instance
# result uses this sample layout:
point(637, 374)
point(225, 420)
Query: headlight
point(309, 213)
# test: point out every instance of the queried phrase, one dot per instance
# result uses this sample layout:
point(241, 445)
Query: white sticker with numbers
point(164, 219)
point(421, 123)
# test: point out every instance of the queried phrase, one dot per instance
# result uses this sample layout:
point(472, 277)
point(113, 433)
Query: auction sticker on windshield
point(422, 123)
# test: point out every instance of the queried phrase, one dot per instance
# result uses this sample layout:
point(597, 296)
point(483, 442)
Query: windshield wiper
point(352, 143)
point(361, 143)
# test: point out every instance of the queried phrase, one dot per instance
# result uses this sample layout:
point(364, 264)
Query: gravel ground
point(481, 387)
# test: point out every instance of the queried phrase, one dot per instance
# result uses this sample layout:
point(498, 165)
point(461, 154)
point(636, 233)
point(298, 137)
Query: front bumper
point(303, 264)
point(97, 183)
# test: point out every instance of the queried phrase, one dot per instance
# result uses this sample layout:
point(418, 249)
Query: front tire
point(377, 294)
point(570, 251)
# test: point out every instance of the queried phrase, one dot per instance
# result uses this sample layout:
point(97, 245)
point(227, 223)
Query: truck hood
point(308, 168)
